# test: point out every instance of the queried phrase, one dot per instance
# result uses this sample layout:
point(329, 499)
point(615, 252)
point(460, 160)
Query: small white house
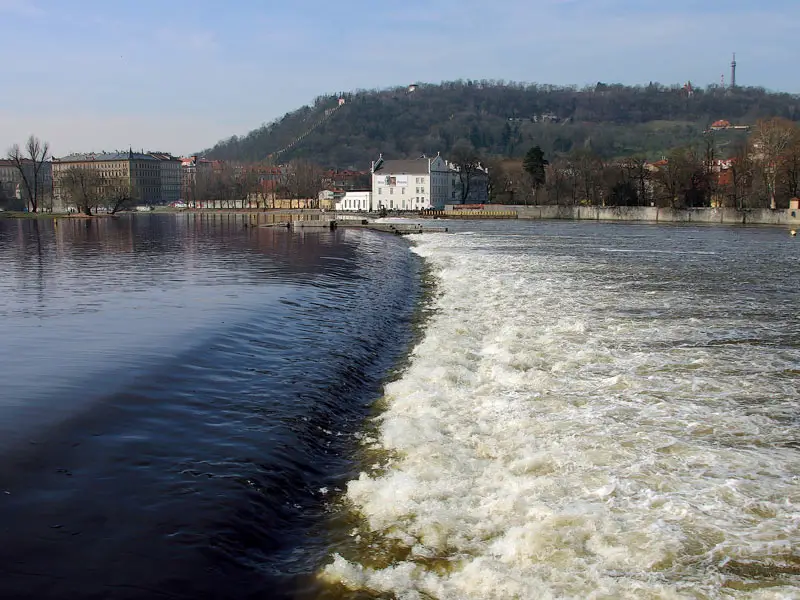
point(354, 201)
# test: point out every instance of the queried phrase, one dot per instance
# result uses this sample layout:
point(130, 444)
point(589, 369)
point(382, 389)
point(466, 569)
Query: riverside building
point(140, 170)
point(170, 176)
point(416, 184)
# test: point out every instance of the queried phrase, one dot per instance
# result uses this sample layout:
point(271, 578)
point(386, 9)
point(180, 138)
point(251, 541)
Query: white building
point(354, 201)
point(416, 184)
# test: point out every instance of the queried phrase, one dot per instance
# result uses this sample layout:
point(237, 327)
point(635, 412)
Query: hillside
point(501, 120)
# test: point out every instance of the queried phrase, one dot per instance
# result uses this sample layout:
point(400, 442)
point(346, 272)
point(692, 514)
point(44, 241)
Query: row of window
point(419, 190)
point(350, 203)
point(417, 200)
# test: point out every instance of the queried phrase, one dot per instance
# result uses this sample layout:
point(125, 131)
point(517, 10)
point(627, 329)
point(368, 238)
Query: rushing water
point(180, 397)
point(594, 411)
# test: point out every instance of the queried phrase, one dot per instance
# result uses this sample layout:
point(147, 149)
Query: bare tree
point(29, 162)
point(498, 180)
point(246, 187)
point(771, 138)
point(519, 190)
point(639, 173)
point(82, 187)
point(117, 193)
point(790, 167)
point(684, 179)
point(301, 179)
point(557, 179)
point(589, 171)
point(741, 176)
point(670, 177)
point(466, 159)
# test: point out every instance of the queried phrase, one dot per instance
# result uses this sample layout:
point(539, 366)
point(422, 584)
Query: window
point(380, 191)
point(391, 191)
point(402, 190)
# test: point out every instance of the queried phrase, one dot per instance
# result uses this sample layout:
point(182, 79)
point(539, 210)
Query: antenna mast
point(733, 71)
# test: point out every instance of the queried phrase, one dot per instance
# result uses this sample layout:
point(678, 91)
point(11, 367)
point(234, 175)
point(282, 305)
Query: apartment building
point(141, 170)
point(170, 175)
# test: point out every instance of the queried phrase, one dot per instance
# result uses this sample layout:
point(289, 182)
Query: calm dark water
point(180, 400)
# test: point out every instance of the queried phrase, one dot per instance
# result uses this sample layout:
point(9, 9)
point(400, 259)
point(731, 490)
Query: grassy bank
point(18, 214)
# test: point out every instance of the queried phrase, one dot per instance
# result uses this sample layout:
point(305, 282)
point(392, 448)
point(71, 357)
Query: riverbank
point(37, 215)
point(652, 214)
point(161, 210)
point(645, 214)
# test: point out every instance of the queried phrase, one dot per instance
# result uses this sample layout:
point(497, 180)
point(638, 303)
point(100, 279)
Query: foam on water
point(556, 438)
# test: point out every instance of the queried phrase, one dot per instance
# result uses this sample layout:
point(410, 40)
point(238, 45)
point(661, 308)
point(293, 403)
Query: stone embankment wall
point(761, 216)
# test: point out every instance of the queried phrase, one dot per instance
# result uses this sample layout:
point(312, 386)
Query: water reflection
point(177, 391)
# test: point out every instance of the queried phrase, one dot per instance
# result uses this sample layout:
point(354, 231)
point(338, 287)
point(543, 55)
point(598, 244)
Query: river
point(193, 408)
point(181, 396)
point(595, 411)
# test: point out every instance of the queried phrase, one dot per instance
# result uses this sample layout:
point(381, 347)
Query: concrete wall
point(762, 216)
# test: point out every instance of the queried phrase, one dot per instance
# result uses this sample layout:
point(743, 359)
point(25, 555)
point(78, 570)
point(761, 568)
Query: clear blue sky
point(178, 76)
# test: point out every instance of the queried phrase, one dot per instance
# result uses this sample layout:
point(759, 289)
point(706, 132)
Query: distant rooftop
point(104, 156)
point(163, 156)
point(417, 166)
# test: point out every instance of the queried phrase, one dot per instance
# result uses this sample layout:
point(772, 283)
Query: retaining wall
point(756, 216)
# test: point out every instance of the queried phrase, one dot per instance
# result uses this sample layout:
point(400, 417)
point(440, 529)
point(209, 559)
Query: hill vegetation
point(504, 120)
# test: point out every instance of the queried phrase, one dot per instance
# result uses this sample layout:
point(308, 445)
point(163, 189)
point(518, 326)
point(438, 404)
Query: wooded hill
point(503, 119)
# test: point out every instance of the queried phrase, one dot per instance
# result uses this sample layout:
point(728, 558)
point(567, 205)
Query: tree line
point(762, 171)
point(259, 185)
point(505, 119)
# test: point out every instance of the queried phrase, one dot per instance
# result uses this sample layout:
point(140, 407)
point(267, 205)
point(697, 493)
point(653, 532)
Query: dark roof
point(418, 166)
point(163, 156)
point(104, 156)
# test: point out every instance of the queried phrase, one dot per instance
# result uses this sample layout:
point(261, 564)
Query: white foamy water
point(586, 424)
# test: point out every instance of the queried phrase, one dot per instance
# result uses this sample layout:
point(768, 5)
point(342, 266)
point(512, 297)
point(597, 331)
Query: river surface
point(180, 398)
point(595, 411)
point(194, 409)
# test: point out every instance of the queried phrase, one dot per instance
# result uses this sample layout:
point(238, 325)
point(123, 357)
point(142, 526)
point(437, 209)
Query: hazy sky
point(89, 75)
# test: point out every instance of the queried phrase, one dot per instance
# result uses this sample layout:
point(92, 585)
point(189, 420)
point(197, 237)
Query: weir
point(653, 214)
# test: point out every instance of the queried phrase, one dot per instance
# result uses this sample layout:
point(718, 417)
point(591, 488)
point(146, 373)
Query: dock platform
point(395, 228)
